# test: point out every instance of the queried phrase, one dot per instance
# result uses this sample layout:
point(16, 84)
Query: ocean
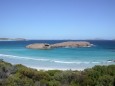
point(15, 52)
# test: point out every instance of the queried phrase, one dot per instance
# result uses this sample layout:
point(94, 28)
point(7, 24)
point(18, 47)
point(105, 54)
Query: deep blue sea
point(16, 52)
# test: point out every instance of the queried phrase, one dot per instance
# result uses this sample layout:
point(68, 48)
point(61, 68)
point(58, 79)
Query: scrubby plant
point(19, 75)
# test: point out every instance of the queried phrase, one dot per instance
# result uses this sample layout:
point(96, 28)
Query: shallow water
point(59, 58)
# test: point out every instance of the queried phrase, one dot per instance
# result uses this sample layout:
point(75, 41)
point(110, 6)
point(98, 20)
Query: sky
point(57, 19)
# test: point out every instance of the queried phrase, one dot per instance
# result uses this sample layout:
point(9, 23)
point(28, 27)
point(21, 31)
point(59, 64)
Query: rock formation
point(38, 46)
point(71, 44)
point(58, 45)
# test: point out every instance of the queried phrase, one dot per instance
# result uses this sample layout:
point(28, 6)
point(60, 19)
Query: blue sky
point(57, 19)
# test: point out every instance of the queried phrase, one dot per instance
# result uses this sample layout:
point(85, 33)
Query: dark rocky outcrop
point(58, 45)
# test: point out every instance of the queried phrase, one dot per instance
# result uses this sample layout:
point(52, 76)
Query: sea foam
point(55, 61)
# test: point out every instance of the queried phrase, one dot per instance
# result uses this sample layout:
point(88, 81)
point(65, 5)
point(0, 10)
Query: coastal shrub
point(32, 73)
point(43, 82)
point(64, 76)
point(106, 80)
point(19, 75)
point(17, 81)
point(99, 75)
point(5, 69)
point(54, 83)
point(111, 70)
point(53, 72)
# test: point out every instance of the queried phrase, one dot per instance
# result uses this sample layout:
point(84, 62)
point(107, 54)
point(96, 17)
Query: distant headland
point(12, 39)
point(68, 44)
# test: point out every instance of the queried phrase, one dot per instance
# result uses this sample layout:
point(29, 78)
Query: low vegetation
point(19, 75)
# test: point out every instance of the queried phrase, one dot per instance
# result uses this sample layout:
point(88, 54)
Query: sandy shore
point(46, 69)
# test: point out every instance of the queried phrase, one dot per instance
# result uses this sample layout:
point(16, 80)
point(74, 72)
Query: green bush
point(19, 75)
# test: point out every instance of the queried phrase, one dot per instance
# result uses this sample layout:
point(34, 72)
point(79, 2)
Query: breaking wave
point(50, 60)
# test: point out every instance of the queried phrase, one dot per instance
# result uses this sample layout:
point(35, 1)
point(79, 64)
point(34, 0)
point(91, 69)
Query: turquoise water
point(59, 58)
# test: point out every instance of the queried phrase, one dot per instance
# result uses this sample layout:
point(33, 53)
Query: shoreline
point(50, 64)
point(46, 69)
point(38, 66)
point(52, 68)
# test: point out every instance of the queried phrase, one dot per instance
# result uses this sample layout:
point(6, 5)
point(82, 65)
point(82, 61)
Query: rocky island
point(69, 44)
point(12, 39)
